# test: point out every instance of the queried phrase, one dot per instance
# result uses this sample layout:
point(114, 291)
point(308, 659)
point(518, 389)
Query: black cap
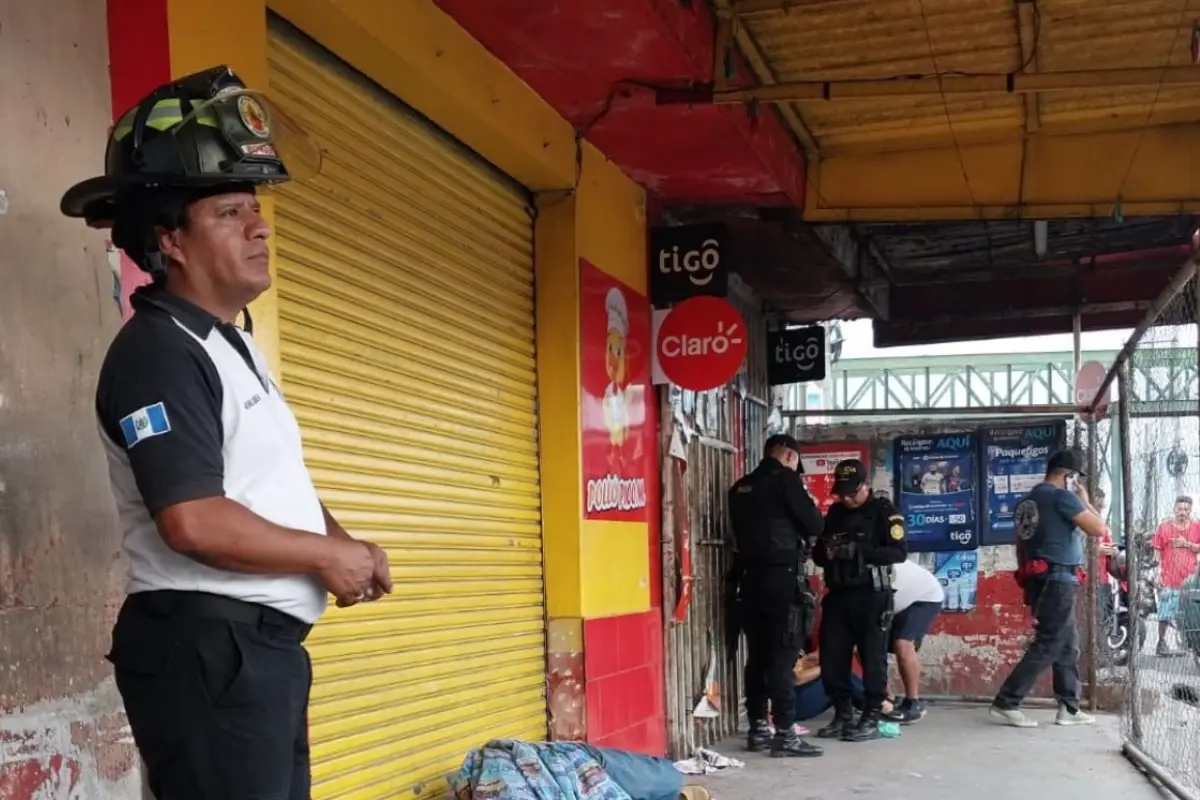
point(1069, 460)
point(848, 477)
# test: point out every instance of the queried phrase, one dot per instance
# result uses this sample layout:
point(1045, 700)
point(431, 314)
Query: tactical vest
point(856, 531)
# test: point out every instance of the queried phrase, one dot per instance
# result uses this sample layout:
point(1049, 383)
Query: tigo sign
point(700, 344)
point(688, 261)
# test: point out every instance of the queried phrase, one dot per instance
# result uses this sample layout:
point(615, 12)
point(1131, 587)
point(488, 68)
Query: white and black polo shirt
point(189, 410)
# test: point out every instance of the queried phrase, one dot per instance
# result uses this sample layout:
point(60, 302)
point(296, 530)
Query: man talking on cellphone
point(1048, 523)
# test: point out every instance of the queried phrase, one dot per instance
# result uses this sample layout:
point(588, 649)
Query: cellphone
point(1072, 483)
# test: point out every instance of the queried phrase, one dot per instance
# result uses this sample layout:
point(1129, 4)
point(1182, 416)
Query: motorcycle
point(1189, 615)
point(1117, 623)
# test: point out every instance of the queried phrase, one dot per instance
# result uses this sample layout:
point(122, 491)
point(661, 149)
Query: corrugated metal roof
point(849, 39)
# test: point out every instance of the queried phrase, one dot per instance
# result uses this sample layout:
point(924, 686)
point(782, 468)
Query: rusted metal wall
point(721, 433)
point(62, 732)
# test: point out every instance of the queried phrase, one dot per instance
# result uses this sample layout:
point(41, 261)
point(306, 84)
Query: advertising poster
point(1014, 462)
point(614, 352)
point(819, 460)
point(958, 573)
point(935, 488)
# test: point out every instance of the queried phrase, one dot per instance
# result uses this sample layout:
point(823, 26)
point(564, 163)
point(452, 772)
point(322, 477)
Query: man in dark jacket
point(774, 520)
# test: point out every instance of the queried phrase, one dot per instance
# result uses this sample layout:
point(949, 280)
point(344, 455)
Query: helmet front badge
point(253, 116)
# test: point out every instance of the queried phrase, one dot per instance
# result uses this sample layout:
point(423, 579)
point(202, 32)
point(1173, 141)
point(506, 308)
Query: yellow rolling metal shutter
point(407, 326)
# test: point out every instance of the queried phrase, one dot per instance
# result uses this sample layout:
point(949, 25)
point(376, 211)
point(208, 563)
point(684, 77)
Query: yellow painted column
point(593, 568)
point(234, 32)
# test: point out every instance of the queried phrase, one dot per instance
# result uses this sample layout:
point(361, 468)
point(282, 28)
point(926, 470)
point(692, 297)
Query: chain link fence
point(1155, 517)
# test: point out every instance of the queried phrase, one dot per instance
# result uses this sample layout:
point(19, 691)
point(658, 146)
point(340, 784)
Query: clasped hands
point(355, 571)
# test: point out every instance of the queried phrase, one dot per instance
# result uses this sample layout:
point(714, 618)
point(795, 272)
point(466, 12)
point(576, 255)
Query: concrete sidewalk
point(955, 752)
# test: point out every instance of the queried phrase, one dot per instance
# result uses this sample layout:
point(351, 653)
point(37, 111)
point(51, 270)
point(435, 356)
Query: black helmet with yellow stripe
point(203, 130)
point(200, 134)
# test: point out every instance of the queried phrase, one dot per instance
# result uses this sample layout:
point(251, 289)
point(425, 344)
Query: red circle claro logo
point(701, 343)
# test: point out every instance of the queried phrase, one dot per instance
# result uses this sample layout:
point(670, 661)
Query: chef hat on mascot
point(618, 311)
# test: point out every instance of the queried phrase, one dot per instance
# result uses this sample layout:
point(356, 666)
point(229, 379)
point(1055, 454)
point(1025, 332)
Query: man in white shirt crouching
point(918, 601)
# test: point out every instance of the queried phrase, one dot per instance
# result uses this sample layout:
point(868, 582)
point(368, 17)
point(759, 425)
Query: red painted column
point(139, 55)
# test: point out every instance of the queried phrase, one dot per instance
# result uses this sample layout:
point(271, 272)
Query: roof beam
point(938, 320)
point(766, 77)
point(1046, 271)
point(1015, 83)
point(762, 8)
point(970, 327)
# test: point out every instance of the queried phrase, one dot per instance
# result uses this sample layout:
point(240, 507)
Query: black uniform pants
point(772, 650)
point(850, 619)
point(216, 692)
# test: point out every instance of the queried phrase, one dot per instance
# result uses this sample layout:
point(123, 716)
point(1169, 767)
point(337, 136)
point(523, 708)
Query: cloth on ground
point(506, 769)
point(706, 761)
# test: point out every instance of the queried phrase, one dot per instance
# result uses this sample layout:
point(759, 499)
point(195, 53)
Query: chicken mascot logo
point(616, 366)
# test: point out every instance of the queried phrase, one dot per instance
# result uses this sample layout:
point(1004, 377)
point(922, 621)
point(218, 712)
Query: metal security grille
point(722, 432)
point(1159, 446)
point(407, 327)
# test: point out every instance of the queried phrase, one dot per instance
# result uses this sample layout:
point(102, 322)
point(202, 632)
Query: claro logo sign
point(688, 261)
point(701, 344)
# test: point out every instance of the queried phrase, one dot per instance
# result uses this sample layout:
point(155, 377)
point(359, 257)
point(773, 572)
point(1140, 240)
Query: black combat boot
point(866, 729)
point(789, 745)
point(758, 739)
point(843, 720)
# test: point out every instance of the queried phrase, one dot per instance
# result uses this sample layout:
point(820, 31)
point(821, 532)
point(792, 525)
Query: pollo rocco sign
point(700, 344)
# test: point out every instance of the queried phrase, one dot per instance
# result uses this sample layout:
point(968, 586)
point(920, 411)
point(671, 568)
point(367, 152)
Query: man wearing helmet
point(231, 552)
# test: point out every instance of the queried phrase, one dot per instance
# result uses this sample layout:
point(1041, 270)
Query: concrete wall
point(62, 732)
point(965, 654)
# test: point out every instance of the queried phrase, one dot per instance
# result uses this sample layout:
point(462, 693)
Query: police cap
point(848, 477)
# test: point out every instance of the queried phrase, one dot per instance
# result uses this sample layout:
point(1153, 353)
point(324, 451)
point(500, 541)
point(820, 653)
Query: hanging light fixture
point(1040, 234)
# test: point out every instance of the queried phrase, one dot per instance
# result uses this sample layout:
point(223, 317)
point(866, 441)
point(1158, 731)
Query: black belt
point(170, 603)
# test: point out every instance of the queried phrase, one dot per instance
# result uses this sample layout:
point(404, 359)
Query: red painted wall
point(623, 661)
point(623, 656)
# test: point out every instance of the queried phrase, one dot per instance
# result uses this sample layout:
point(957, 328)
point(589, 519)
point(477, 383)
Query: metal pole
point(1133, 548)
point(1077, 361)
point(1091, 589)
point(1196, 318)
point(1147, 765)
point(1047, 409)
point(1156, 308)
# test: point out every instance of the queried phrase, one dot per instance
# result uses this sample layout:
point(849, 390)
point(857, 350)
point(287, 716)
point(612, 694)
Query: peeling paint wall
point(965, 654)
point(62, 732)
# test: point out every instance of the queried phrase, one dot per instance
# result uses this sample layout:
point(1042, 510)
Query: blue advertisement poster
point(958, 573)
point(1014, 461)
point(935, 491)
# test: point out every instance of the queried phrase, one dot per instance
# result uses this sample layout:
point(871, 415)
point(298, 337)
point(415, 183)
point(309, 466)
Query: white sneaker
point(1066, 717)
point(1012, 717)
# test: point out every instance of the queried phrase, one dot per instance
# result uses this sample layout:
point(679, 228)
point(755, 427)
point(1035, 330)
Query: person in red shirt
point(1177, 541)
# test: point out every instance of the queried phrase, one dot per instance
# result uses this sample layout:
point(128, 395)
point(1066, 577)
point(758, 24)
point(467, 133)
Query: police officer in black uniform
point(863, 538)
point(774, 521)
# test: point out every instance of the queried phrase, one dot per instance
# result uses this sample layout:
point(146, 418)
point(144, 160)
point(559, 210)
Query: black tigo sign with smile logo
point(795, 355)
point(686, 261)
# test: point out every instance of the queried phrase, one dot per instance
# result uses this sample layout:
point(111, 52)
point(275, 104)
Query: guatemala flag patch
point(145, 423)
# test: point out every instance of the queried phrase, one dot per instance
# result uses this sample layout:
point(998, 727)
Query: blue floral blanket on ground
point(506, 769)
